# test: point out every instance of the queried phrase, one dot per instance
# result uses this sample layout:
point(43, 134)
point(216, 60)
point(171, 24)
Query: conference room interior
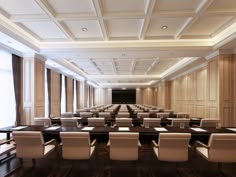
point(106, 88)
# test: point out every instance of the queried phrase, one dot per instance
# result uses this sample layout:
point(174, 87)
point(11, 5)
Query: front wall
point(39, 89)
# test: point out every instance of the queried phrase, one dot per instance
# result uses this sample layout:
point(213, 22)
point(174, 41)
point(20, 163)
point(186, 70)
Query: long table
point(101, 133)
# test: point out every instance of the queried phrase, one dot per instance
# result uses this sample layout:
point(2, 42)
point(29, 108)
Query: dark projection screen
point(124, 96)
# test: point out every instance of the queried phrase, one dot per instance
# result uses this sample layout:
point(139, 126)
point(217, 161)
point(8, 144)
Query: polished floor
point(100, 166)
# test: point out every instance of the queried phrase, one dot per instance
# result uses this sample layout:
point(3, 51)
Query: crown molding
point(189, 71)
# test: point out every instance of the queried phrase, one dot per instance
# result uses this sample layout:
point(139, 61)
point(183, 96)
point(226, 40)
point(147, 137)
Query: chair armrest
point(139, 144)
point(198, 143)
point(93, 143)
point(194, 125)
point(52, 141)
point(108, 143)
point(154, 143)
point(168, 125)
point(7, 141)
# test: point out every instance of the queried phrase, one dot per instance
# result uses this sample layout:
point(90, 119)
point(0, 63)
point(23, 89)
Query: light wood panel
point(39, 88)
point(234, 74)
point(188, 93)
point(226, 69)
point(148, 96)
point(78, 94)
point(139, 96)
point(69, 95)
point(55, 94)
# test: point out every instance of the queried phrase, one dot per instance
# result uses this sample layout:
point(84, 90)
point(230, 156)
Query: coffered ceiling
point(118, 43)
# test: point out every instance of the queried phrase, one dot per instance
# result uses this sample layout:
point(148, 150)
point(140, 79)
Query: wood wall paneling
point(69, 95)
point(39, 88)
point(55, 94)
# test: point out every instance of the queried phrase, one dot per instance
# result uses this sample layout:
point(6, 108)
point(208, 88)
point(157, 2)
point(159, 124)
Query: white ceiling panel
point(110, 7)
point(85, 29)
point(176, 5)
point(41, 29)
point(207, 25)
point(124, 27)
point(72, 6)
point(173, 24)
point(20, 7)
point(223, 5)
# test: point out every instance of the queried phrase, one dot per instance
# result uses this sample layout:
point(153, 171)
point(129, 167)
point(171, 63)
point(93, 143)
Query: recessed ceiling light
point(84, 29)
point(164, 27)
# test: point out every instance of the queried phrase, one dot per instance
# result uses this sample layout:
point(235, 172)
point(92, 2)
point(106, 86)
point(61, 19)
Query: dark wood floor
point(101, 166)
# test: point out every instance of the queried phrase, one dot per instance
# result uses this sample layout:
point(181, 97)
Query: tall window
point(63, 95)
point(75, 95)
point(7, 94)
point(46, 94)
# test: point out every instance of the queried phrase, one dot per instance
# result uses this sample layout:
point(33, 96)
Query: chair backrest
point(86, 114)
point(98, 121)
point(176, 122)
point(69, 122)
point(124, 122)
point(75, 145)
point(173, 146)
point(123, 114)
point(162, 115)
point(67, 115)
point(29, 144)
point(42, 121)
point(152, 122)
point(222, 147)
point(123, 145)
point(143, 114)
point(104, 114)
point(205, 122)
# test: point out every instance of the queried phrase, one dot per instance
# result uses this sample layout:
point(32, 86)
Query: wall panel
point(39, 88)
point(55, 94)
point(69, 95)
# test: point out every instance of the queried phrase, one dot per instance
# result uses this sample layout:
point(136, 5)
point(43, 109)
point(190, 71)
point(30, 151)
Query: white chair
point(205, 122)
point(152, 122)
point(42, 121)
point(124, 122)
point(104, 114)
point(221, 148)
point(77, 145)
point(69, 122)
point(143, 115)
point(6, 147)
point(67, 115)
point(85, 114)
point(172, 147)
point(31, 145)
point(123, 114)
point(162, 115)
point(96, 122)
point(123, 145)
point(180, 122)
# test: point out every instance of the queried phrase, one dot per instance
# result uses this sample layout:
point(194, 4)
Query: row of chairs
point(173, 147)
point(152, 122)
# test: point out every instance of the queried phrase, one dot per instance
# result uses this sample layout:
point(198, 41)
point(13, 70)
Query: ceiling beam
point(114, 66)
point(98, 9)
point(152, 65)
point(133, 66)
point(147, 18)
point(199, 11)
point(51, 13)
